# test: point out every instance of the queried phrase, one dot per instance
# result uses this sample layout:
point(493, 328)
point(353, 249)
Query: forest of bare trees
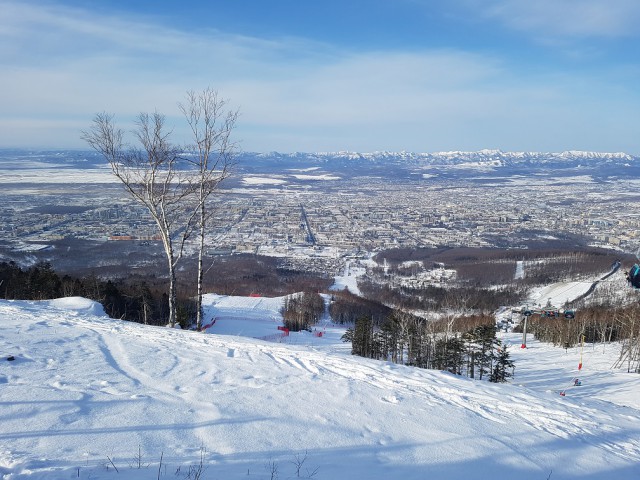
point(346, 308)
point(484, 278)
point(436, 298)
point(483, 267)
point(303, 310)
point(599, 326)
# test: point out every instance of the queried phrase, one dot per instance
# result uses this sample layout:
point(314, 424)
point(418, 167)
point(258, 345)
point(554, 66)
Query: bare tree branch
point(212, 153)
point(154, 176)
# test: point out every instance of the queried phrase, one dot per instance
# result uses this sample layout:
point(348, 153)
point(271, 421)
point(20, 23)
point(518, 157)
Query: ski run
point(90, 397)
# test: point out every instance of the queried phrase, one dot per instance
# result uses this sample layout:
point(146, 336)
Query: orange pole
point(581, 348)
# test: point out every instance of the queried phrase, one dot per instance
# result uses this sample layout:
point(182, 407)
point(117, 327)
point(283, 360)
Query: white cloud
point(363, 88)
point(293, 94)
point(567, 18)
point(61, 62)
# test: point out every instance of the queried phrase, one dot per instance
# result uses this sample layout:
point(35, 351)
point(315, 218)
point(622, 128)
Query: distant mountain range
point(494, 158)
point(601, 165)
point(396, 164)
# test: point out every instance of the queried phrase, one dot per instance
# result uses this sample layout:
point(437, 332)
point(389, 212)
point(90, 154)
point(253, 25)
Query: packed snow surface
point(246, 316)
point(349, 278)
point(558, 294)
point(87, 394)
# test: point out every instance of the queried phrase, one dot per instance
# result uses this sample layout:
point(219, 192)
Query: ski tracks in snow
point(559, 418)
point(224, 364)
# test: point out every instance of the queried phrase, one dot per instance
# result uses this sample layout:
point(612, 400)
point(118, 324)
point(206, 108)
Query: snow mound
point(78, 305)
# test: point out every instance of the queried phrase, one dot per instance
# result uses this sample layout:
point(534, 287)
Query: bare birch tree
point(630, 344)
point(153, 177)
point(212, 152)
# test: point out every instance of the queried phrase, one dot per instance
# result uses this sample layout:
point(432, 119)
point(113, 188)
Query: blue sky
point(361, 75)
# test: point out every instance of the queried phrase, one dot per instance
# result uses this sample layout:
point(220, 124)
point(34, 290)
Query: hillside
point(87, 393)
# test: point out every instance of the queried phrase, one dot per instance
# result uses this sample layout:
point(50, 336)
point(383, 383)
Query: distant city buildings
point(330, 218)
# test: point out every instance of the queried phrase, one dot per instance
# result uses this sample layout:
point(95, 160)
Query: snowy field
point(53, 176)
point(87, 394)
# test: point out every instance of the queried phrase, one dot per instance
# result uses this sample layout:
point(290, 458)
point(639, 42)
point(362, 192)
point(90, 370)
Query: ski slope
point(348, 279)
point(260, 317)
point(559, 294)
point(86, 393)
point(245, 316)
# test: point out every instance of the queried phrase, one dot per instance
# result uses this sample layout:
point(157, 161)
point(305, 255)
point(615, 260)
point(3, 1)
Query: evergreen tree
point(503, 366)
point(450, 354)
point(362, 343)
point(486, 335)
point(389, 340)
point(43, 282)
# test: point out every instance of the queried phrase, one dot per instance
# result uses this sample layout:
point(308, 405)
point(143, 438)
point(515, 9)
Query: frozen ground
point(86, 393)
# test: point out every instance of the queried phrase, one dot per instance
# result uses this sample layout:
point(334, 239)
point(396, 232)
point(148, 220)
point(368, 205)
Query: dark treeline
point(346, 308)
point(142, 298)
point(134, 302)
point(247, 274)
point(454, 256)
point(460, 345)
point(434, 298)
point(36, 283)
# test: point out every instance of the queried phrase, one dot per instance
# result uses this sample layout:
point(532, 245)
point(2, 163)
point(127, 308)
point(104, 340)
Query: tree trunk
point(200, 271)
point(172, 287)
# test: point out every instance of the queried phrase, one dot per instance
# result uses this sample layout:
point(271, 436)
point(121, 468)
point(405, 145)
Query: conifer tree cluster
point(38, 282)
point(135, 302)
point(474, 351)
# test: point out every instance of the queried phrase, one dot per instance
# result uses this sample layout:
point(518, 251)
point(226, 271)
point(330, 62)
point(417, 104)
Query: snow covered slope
point(558, 293)
point(246, 316)
point(86, 392)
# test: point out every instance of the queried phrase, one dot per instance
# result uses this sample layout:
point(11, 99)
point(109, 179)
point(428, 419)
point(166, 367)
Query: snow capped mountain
point(343, 165)
point(497, 158)
point(455, 164)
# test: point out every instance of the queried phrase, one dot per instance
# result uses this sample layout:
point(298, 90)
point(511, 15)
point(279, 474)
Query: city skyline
point(364, 76)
